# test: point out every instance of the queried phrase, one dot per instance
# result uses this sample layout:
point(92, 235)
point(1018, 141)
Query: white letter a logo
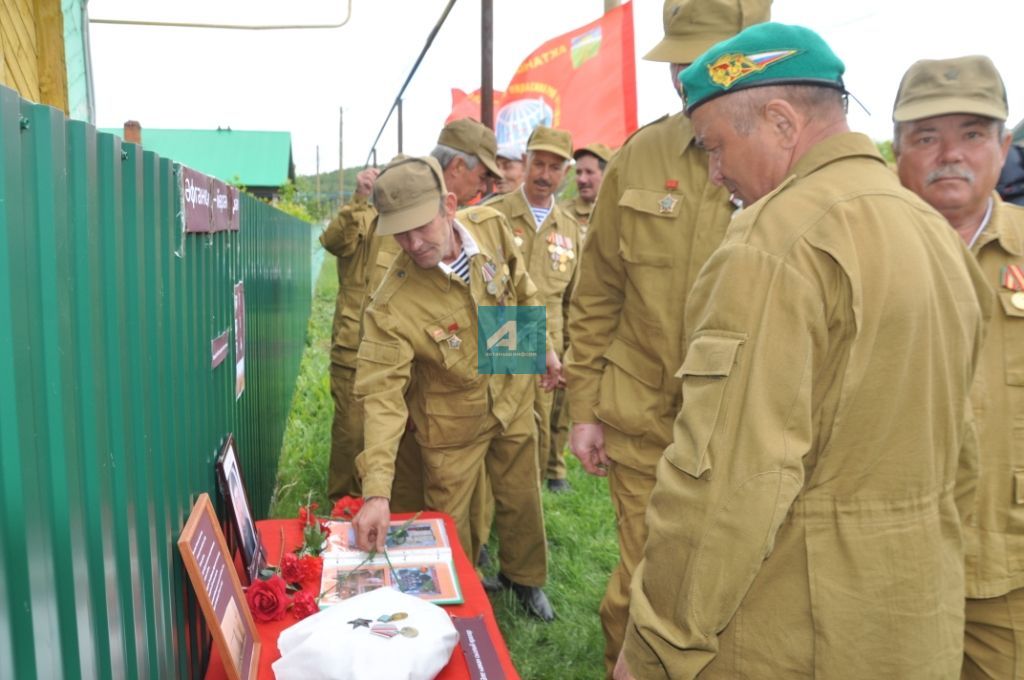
point(505, 336)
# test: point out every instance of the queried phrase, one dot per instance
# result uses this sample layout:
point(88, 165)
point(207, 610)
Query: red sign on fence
point(208, 204)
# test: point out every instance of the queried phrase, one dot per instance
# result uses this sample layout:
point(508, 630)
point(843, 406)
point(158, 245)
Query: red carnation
point(347, 507)
point(310, 567)
point(303, 605)
point(267, 599)
point(307, 513)
point(291, 569)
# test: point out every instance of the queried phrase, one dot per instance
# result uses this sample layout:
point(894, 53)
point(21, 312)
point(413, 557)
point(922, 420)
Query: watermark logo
point(511, 340)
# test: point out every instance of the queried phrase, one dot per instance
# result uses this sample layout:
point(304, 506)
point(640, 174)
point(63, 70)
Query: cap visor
point(551, 149)
point(948, 106)
point(680, 50)
point(407, 219)
point(491, 164)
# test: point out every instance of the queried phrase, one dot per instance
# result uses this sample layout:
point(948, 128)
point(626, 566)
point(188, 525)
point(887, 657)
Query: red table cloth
point(476, 602)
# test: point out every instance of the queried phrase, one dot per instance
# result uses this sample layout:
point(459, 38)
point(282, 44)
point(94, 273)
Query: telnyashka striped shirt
point(460, 267)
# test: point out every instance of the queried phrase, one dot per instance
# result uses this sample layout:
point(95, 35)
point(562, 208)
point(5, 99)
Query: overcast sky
point(296, 80)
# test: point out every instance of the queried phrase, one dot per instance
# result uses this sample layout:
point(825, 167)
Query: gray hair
point(816, 101)
point(897, 131)
point(446, 154)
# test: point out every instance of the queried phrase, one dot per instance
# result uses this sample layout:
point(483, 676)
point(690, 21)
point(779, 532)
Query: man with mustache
point(590, 164)
point(550, 240)
point(950, 142)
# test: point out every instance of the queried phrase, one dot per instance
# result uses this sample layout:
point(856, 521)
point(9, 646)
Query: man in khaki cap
point(466, 150)
point(657, 219)
point(804, 521)
point(419, 360)
point(550, 240)
point(591, 161)
point(950, 142)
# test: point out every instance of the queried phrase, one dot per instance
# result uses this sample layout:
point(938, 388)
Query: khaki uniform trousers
point(347, 442)
point(346, 435)
point(630, 489)
point(994, 638)
point(452, 474)
point(542, 405)
point(559, 436)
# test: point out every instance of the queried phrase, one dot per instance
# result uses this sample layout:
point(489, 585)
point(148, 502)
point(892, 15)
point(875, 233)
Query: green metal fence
point(110, 413)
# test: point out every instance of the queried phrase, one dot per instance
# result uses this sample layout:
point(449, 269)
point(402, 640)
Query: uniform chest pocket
point(1013, 340)
point(705, 371)
point(454, 335)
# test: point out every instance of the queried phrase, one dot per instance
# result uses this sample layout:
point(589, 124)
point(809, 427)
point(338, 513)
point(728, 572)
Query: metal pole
point(318, 211)
point(399, 126)
point(487, 63)
point(609, 5)
point(341, 157)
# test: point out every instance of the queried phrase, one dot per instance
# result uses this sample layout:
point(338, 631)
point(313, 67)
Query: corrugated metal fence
point(110, 414)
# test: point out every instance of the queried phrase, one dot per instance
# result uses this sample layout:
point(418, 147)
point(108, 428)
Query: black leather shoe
point(492, 584)
point(532, 598)
point(558, 485)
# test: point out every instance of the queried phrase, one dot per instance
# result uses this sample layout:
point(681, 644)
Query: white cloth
point(326, 647)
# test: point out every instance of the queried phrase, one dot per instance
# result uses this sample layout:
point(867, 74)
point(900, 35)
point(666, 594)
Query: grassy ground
point(580, 524)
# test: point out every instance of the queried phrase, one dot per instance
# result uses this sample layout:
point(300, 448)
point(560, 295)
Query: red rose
point(310, 567)
point(303, 605)
point(347, 507)
point(267, 599)
point(291, 569)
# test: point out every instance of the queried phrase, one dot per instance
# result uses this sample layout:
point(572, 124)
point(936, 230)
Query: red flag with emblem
point(583, 81)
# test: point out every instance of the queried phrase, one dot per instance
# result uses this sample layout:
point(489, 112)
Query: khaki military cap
point(937, 87)
point(693, 26)
point(407, 194)
point(469, 136)
point(600, 150)
point(558, 142)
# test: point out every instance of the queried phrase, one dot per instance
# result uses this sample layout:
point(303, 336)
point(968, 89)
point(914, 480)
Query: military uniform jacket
point(657, 220)
point(362, 260)
point(552, 254)
point(420, 327)
point(580, 211)
point(994, 535)
point(803, 523)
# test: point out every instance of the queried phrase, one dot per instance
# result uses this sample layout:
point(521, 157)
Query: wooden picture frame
point(212, 573)
point(236, 502)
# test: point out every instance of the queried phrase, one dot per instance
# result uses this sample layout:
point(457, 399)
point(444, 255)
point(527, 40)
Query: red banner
point(583, 81)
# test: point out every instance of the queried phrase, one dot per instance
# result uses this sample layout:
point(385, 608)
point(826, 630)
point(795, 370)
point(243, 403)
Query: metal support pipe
point(399, 126)
point(341, 157)
point(239, 27)
point(487, 63)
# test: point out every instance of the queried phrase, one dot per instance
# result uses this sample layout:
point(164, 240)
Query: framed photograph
point(236, 500)
point(212, 573)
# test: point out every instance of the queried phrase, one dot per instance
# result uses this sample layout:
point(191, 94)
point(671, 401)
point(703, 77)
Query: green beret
point(764, 54)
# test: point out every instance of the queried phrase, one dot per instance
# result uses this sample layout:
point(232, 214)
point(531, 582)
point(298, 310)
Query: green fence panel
point(111, 415)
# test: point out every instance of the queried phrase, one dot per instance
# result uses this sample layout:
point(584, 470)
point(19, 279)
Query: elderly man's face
point(434, 241)
point(544, 173)
point(463, 181)
point(951, 161)
point(749, 165)
point(588, 177)
point(512, 175)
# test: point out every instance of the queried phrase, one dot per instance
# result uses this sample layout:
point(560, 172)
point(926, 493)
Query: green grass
point(580, 523)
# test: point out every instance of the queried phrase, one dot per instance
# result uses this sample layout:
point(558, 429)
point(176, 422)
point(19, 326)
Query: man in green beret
point(550, 240)
point(466, 150)
point(804, 520)
point(419, 360)
point(950, 142)
point(656, 221)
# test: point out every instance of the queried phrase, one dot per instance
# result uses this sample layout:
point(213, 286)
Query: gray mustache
point(950, 172)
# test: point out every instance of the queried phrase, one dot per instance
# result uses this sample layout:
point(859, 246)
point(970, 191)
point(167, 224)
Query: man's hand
point(621, 671)
point(365, 181)
point(550, 380)
point(586, 441)
point(371, 524)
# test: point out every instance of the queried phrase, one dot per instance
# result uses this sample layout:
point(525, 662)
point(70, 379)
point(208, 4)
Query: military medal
point(1017, 300)
point(384, 630)
point(667, 204)
point(454, 342)
point(399, 616)
point(671, 184)
point(409, 631)
point(356, 623)
point(518, 237)
point(1013, 277)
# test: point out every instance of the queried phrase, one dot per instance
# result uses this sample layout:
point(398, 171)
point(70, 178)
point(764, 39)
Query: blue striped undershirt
point(461, 266)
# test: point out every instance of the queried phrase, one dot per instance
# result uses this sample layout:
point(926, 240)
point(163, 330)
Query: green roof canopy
point(252, 158)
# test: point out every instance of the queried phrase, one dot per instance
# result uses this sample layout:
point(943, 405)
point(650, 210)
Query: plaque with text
point(212, 573)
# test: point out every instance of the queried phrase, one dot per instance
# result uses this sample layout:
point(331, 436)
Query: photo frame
point(236, 502)
point(212, 572)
